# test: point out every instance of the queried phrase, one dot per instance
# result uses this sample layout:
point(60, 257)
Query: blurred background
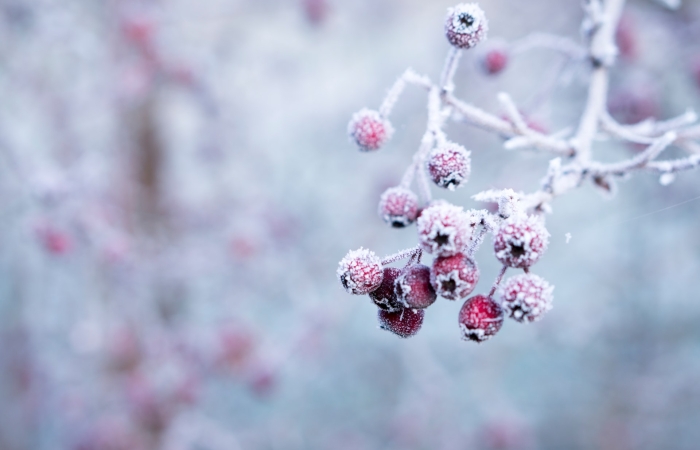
point(177, 188)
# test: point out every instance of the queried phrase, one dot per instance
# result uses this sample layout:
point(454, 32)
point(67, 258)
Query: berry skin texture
point(360, 272)
point(466, 25)
point(384, 296)
point(454, 277)
point(526, 297)
point(494, 61)
point(443, 229)
point(369, 130)
point(520, 241)
point(480, 318)
point(398, 207)
point(449, 165)
point(413, 287)
point(404, 323)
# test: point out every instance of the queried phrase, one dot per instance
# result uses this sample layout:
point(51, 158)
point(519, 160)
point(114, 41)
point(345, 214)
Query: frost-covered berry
point(454, 277)
point(360, 272)
point(466, 25)
point(398, 207)
point(494, 61)
point(449, 165)
point(385, 295)
point(413, 287)
point(526, 297)
point(480, 318)
point(520, 241)
point(443, 229)
point(404, 323)
point(369, 129)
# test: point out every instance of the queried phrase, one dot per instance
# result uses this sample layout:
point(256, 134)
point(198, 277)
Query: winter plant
point(451, 234)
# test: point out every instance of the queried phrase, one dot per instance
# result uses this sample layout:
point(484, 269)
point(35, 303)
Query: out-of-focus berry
point(454, 277)
point(526, 297)
point(520, 241)
point(695, 70)
point(369, 130)
point(404, 323)
point(480, 318)
point(385, 296)
point(413, 287)
point(449, 165)
point(634, 105)
point(315, 10)
point(55, 241)
point(398, 207)
point(443, 229)
point(626, 38)
point(360, 272)
point(466, 25)
point(494, 61)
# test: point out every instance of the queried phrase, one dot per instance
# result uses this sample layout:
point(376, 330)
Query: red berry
point(55, 241)
point(404, 323)
point(385, 295)
point(625, 38)
point(454, 277)
point(413, 287)
point(526, 297)
point(449, 165)
point(398, 207)
point(520, 241)
point(480, 318)
point(443, 229)
point(360, 272)
point(466, 25)
point(494, 61)
point(369, 130)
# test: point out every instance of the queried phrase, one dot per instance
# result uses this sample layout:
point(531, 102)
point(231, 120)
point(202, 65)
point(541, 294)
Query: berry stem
point(498, 281)
point(449, 69)
point(403, 254)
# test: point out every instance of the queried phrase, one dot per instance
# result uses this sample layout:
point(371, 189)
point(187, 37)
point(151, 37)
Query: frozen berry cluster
point(447, 232)
point(451, 235)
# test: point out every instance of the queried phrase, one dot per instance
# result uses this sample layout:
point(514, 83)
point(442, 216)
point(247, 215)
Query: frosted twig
point(403, 254)
point(497, 283)
point(638, 161)
point(449, 69)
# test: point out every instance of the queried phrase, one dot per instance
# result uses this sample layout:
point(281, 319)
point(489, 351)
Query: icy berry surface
point(480, 318)
point(466, 25)
point(526, 297)
point(520, 241)
point(443, 229)
point(398, 207)
point(404, 323)
point(449, 166)
point(413, 287)
point(454, 277)
point(385, 296)
point(360, 271)
point(369, 130)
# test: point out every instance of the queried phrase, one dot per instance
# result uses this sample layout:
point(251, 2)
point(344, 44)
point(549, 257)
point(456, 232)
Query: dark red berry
point(404, 323)
point(520, 241)
point(526, 297)
point(385, 296)
point(480, 318)
point(369, 130)
point(494, 61)
point(398, 207)
point(449, 165)
point(413, 287)
point(360, 272)
point(454, 277)
point(466, 25)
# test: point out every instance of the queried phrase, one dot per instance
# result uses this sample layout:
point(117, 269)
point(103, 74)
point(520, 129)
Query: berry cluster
point(446, 231)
